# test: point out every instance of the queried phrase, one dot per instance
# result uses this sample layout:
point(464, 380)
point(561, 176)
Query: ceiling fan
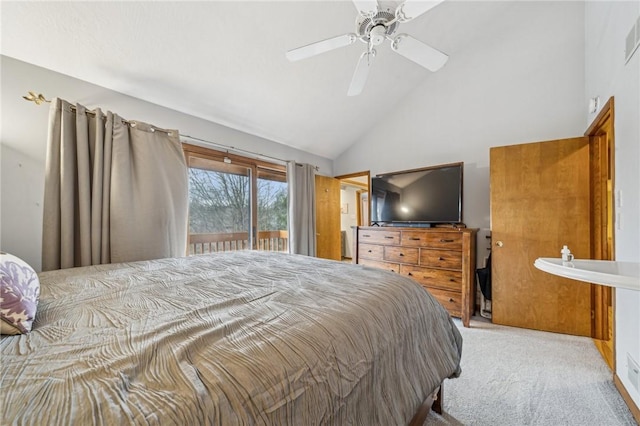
point(373, 25)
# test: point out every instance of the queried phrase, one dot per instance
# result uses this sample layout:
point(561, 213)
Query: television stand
point(442, 260)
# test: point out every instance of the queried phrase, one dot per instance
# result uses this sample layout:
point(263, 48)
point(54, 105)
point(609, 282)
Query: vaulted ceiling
point(225, 61)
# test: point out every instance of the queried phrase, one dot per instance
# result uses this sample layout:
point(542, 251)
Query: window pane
point(219, 213)
point(272, 215)
point(218, 202)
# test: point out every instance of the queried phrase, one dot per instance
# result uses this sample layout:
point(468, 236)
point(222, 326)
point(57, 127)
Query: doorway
point(235, 202)
point(586, 165)
point(354, 209)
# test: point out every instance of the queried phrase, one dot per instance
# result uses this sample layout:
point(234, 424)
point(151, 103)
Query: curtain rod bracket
point(38, 99)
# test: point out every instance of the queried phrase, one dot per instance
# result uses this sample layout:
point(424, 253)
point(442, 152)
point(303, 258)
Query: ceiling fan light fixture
point(377, 35)
point(376, 23)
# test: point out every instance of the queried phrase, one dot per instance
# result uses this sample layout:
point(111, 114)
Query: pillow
point(19, 292)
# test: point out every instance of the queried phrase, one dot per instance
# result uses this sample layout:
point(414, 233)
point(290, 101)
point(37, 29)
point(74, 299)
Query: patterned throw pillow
point(19, 291)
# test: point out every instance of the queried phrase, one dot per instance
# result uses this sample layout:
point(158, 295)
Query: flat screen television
point(424, 196)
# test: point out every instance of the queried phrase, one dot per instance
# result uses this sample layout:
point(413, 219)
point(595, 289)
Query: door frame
point(602, 169)
point(348, 179)
point(360, 204)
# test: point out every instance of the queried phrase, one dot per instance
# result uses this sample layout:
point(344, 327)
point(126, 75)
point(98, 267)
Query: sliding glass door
point(272, 211)
point(235, 203)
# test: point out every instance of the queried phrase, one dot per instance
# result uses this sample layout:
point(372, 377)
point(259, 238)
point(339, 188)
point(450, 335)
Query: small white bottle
point(566, 254)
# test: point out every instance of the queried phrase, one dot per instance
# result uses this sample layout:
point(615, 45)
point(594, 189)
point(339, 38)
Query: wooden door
point(540, 202)
point(328, 217)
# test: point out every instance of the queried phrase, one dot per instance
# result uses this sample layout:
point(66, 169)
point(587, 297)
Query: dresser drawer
point(441, 258)
point(401, 254)
point(379, 237)
point(451, 300)
point(446, 240)
point(370, 251)
point(393, 267)
point(441, 278)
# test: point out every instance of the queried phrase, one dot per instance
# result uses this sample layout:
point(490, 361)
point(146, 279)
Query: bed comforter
point(228, 339)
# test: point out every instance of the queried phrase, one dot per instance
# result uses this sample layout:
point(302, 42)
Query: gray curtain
point(114, 192)
point(302, 208)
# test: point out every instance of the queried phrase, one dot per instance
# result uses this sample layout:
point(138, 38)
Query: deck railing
point(214, 242)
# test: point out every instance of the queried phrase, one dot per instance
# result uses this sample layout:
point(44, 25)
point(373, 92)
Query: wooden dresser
point(443, 260)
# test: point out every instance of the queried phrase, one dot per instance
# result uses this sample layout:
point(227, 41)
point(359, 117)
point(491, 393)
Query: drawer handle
point(451, 300)
point(370, 251)
point(401, 254)
point(388, 237)
point(410, 274)
point(392, 270)
point(446, 241)
point(366, 236)
point(414, 239)
point(452, 280)
point(441, 258)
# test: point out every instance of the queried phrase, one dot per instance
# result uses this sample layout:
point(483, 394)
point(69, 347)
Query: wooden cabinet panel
point(393, 267)
point(450, 280)
point(401, 254)
point(379, 237)
point(371, 251)
point(445, 240)
point(451, 300)
point(441, 258)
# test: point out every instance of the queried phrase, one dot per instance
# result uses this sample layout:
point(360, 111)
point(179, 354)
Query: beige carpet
point(512, 376)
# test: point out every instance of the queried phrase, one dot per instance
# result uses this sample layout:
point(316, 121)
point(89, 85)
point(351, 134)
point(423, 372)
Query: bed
point(235, 338)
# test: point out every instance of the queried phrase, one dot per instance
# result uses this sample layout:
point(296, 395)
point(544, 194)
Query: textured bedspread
point(227, 339)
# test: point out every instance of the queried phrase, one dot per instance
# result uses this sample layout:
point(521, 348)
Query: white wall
point(498, 91)
point(607, 25)
point(23, 140)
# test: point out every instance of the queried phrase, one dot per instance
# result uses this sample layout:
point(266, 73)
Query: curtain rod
point(233, 148)
point(39, 99)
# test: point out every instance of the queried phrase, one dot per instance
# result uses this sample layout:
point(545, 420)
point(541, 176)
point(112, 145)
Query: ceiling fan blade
point(361, 73)
point(321, 47)
point(418, 52)
point(411, 9)
point(366, 7)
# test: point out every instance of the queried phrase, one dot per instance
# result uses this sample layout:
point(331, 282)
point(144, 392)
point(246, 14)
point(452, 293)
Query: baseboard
point(606, 351)
point(635, 411)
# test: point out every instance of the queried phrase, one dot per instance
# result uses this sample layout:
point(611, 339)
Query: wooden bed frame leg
point(437, 404)
point(434, 400)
